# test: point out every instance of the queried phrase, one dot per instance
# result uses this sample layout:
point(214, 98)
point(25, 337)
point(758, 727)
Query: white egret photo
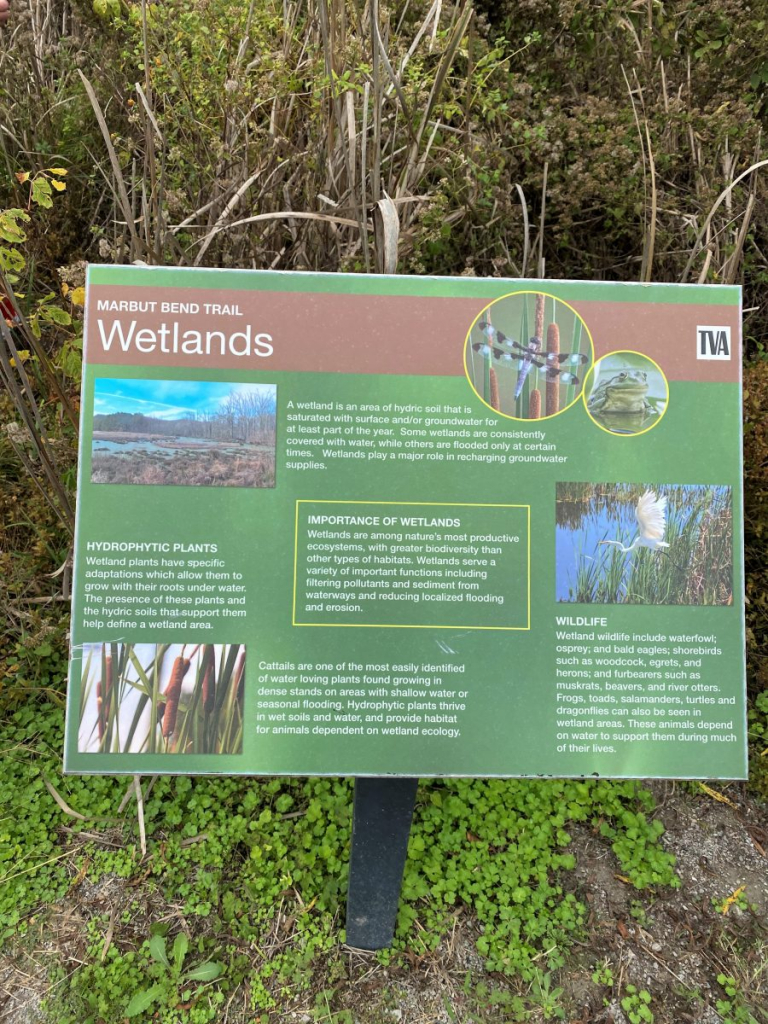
point(162, 698)
point(183, 432)
point(626, 393)
point(644, 543)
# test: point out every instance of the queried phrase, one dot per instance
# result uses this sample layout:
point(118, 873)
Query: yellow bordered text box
point(525, 544)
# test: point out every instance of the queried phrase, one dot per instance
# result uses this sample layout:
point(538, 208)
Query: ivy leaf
point(42, 193)
point(205, 972)
point(142, 1001)
point(70, 361)
point(10, 259)
point(56, 315)
point(105, 8)
point(10, 230)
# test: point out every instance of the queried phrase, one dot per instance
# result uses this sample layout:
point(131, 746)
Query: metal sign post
point(383, 809)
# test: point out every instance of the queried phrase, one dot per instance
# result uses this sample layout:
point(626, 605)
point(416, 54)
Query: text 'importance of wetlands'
point(397, 565)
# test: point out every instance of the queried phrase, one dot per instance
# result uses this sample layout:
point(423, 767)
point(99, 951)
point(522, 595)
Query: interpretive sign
point(341, 524)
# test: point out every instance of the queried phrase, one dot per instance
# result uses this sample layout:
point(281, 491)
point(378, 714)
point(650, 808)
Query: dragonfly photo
point(533, 378)
point(553, 364)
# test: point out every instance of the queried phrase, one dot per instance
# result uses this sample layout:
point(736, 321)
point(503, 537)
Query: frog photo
point(628, 394)
point(625, 391)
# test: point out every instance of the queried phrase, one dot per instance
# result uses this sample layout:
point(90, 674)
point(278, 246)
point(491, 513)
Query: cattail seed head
point(209, 680)
point(494, 390)
point(553, 386)
point(534, 405)
point(538, 320)
point(172, 694)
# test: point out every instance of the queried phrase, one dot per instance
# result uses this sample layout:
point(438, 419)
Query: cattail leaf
point(85, 683)
point(226, 675)
point(386, 230)
point(144, 686)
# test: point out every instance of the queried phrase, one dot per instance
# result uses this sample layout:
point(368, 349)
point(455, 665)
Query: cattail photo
point(183, 432)
point(162, 699)
point(527, 355)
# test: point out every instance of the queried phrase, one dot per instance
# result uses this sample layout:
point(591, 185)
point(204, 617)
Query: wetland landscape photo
point(644, 543)
point(183, 432)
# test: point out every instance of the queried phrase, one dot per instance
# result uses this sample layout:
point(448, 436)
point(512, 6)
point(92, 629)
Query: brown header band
point(378, 334)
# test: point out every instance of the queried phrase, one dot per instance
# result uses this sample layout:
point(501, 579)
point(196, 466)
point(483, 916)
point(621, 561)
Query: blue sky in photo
point(168, 399)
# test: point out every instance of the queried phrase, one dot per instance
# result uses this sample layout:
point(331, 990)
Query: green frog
point(624, 392)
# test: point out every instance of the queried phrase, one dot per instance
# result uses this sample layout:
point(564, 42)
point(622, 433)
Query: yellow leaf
point(23, 356)
point(57, 170)
point(717, 796)
point(22, 176)
point(58, 185)
point(78, 296)
point(730, 900)
point(65, 289)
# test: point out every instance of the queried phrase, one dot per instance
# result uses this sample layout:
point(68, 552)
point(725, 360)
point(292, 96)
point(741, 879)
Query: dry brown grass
point(198, 469)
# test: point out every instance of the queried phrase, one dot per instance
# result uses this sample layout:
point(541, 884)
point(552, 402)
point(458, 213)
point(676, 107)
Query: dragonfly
point(505, 350)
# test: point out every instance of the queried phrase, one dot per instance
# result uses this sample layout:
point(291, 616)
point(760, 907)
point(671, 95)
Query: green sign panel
point(335, 524)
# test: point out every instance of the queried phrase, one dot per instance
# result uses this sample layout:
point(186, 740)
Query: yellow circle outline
point(509, 295)
point(634, 352)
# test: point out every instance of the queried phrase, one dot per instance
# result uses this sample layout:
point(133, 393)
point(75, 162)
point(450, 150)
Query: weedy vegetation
point(185, 465)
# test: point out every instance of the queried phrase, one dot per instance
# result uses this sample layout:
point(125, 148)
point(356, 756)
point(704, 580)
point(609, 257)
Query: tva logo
point(713, 342)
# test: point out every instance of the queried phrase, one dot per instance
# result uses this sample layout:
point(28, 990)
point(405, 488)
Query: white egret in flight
point(651, 515)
